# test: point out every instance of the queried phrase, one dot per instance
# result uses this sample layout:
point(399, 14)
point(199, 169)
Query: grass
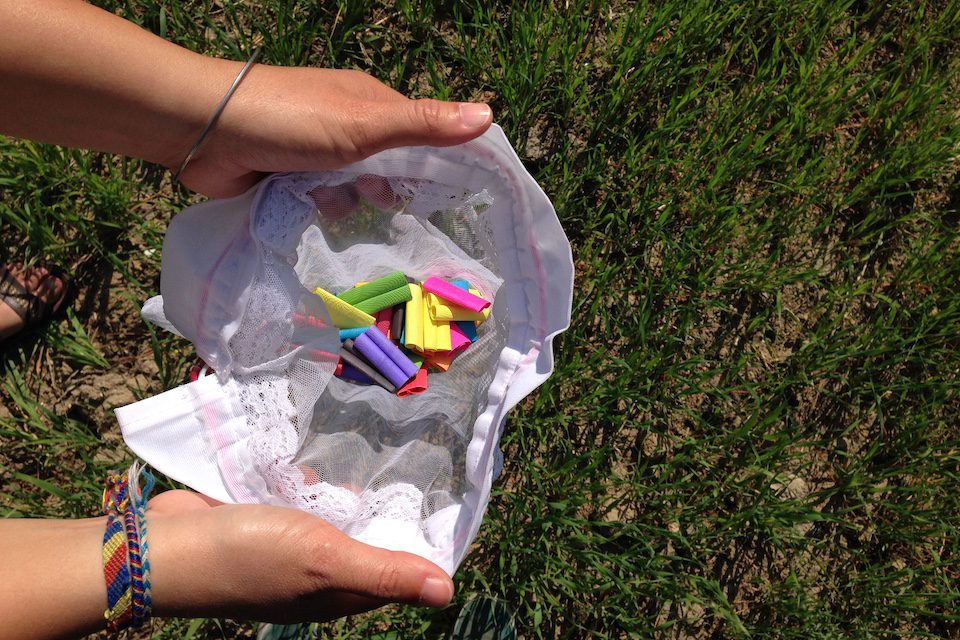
point(752, 431)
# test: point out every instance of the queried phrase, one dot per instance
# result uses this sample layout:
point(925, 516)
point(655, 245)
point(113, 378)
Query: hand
point(302, 119)
point(273, 564)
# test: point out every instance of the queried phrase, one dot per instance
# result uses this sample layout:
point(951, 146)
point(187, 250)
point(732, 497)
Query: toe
point(51, 289)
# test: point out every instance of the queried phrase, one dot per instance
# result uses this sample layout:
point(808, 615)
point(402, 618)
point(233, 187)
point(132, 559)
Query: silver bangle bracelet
point(216, 114)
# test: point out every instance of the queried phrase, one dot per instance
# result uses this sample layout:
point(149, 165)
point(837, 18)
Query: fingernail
point(436, 592)
point(474, 115)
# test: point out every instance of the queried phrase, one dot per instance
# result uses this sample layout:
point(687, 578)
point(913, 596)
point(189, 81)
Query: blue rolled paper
point(380, 360)
point(349, 372)
point(351, 334)
point(469, 328)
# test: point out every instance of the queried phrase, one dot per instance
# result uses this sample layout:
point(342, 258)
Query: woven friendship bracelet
point(116, 567)
point(140, 500)
point(139, 565)
point(126, 566)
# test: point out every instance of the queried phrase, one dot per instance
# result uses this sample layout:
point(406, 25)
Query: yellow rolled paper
point(413, 319)
point(344, 316)
point(440, 309)
point(436, 333)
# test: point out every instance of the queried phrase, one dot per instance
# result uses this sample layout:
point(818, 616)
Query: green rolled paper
point(384, 300)
point(374, 288)
point(415, 357)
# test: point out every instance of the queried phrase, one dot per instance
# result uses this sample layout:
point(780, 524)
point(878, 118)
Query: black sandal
point(30, 307)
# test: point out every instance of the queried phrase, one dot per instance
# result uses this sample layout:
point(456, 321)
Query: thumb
point(426, 122)
point(393, 576)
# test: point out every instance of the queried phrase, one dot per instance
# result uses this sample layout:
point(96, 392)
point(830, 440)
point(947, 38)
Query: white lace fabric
point(409, 473)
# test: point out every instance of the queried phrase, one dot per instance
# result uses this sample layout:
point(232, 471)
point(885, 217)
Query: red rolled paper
point(304, 320)
point(417, 385)
point(383, 319)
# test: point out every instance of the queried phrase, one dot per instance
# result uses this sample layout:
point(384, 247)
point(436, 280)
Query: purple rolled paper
point(393, 352)
point(354, 358)
point(349, 372)
point(368, 347)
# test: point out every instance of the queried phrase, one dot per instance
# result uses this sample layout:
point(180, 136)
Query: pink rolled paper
point(455, 294)
point(458, 339)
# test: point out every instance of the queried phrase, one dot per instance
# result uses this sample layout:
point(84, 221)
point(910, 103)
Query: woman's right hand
point(273, 564)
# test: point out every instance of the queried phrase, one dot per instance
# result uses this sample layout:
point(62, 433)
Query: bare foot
point(36, 280)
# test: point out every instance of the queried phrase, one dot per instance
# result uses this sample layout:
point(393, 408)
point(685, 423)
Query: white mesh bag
point(273, 425)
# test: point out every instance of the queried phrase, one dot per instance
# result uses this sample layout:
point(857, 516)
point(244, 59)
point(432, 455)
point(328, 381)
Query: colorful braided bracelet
point(126, 566)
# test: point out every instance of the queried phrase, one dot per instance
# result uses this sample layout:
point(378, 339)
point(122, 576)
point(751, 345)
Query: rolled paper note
point(417, 385)
point(413, 319)
point(304, 320)
point(436, 333)
point(393, 352)
point(382, 320)
point(384, 300)
point(469, 329)
point(396, 321)
point(440, 309)
point(370, 350)
point(441, 361)
point(455, 294)
point(343, 314)
point(351, 334)
point(318, 355)
point(415, 357)
point(374, 288)
point(349, 372)
point(458, 339)
point(354, 359)
point(485, 312)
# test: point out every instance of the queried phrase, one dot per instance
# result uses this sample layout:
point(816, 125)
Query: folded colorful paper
point(370, 350)
point(378, 294)
point(343, 314)
point(458, 339)
point(441, 310)
point(351, 334)
point(436, 333)
point(469, 329)
point(413, 319)
point(354, 359)
point(417, 385)
point(392, 351)
point(382, 320)
point(455, 294)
